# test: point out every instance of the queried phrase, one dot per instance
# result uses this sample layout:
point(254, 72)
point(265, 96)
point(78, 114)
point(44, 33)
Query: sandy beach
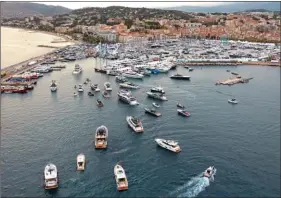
point(18, 45)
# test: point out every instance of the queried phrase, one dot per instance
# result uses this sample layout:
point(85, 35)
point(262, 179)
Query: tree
point(128, 23)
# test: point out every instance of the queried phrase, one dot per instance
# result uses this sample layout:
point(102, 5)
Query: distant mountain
point(24, 9)
point(230, 7)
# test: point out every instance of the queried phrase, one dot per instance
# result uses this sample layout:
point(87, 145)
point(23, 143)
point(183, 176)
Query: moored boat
point(152, 112)
point(77, 69)
point(90, 93)
point(81, 160)
point(129, 85)
point(120, 178)
point(157, 96)
point(53, 86)
point(107, 86)
point(155, 105)
point(50, 176)
point(170, 145)
point(233, 101)
point(101, 137)
point(121, 79)
point(180, 105)
point(180, 77)
point(183, 112)
point(158, 89)
point(131, 74)
point(127, 97)
point(134, 123)
point(99, 103)
point(80, 88)
point(106, 94)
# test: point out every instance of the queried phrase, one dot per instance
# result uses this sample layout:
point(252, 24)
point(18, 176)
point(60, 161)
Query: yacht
point(120, 178)
point(127, 97)
point(80, 88)
point(121, 79)
point(134, 123)
point(233, 101)
point(156, 96)
point(107, 86)
point(152, 112)
point(155, 105)
point(210, 172)
point(51, 177)
point(180, 77)
point(101, 137)
point(183, 112)
point(81, 162)
point(158, 90)
point(168, 144)
point(129, 85)
point(53, 86)
point(95, 87)
point(77, 69)
point(131, 74)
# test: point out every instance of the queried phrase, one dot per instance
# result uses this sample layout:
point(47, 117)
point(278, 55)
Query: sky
point(159, 4)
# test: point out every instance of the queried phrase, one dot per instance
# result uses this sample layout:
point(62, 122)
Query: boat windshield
point(80, 163)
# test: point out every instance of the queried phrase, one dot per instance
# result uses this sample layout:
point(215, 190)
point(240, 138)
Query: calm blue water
point(242, 141)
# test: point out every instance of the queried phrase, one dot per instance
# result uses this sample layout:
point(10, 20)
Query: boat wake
point(192, 188)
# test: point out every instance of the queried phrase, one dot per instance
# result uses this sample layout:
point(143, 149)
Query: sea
point(242, 141)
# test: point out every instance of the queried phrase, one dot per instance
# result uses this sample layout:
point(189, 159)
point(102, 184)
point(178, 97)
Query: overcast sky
point(77, 5)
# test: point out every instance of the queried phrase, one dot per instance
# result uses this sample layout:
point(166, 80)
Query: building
point(108, 35)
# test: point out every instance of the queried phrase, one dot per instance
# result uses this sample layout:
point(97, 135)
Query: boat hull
point(136, 129)
point(162, 145)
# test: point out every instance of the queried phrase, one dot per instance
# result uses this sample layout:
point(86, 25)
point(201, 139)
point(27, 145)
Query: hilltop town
point(120, 24)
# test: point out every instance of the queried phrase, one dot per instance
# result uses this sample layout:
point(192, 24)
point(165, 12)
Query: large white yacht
point(127, 97)
point(132, 74)
point(50, 176)
point(120, 178)
point(101, 137)
point(134, 123)
point(168, 144)
point(77, 69)
point(156, 96)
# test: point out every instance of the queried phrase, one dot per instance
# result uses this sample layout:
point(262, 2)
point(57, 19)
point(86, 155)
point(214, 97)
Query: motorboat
point(99, 103)
point(80, 88)
point(105, 94)
point(77, 69)
point(152, 112)
point(180, 105)
point(129, 85)
point(180, 77)
point(127, 97)
point(131, 74)
point(234, 73)
point(120, 178)
point(134, 123)
point(170, 145)
point(121, 79)
point(90, 93)
point(190, 69)
point(228, 70)
point(101, 137)
point(157, 90)
point(75, 86)
point(95, 87)
point(107, 86)
point(51, 176)
point(233, 101)
point(186, 67)
point(156, 105)
point(156, 96)
point(75, 94)
point(53, 86)
point(183, 112)
point(81, 160)
point(210, 172)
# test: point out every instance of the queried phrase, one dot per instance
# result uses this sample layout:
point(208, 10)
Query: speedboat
point(156, 96)
point(80, 88)
point(190, 69)
point(152, 112)
point(81, 162)
point(101, 137)
point(95, 87)
point(234, 73)
point(131, 74)
point(120, 178)
point(107, 86)
point(127, 97)
point(51, 177)
point(53, 86)
point(105, 94)
point(183, 112)
point(157, 89)
point(156, 105)
point(233, 101)
point(129, 85)
point(77, 69)
point(134, 123)
point(99, 103)
point(121, 79)
point(180, 77)
point(75, 94)
point(168, 144)
point(186, 67)
point(180, 105)
point(210, 172)
point(90, 94)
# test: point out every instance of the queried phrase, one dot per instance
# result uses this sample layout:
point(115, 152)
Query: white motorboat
point(157, 89)
point(101, 137)
point(127, 98)
point(131, 74)
point(233, 101)
point(53, 86)
point(80, 88)
point(51, 176)
point(107, 86)
point(120, 178)
point(183, 112)
point(156, 96)
point(120, 79)
point(210, 172)
point(168, 144)
point(75, 94)
point(155, 105)
point(77, 69)
point(134, 123)
point(81, 161)
point(95, 87)
point(129, 85)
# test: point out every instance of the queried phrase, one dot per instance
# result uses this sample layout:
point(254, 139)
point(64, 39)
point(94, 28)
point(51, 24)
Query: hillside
point(230, 7)
point(24, 9)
